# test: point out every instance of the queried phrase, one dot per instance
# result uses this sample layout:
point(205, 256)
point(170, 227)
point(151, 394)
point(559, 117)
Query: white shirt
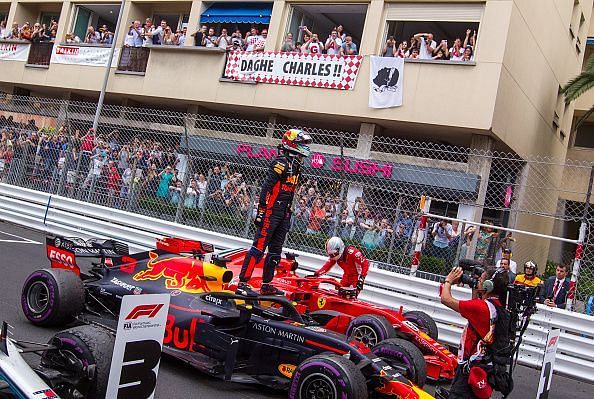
point(425, 54)
point(513, 266)
point(333, 45)
point(315, 48)
point(224, 42)
point(251, 42)
point(148, 40)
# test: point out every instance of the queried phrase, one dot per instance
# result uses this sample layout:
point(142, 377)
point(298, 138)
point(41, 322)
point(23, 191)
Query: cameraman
point(480, 333)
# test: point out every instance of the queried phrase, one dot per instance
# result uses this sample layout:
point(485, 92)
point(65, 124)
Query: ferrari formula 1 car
point(337, 309)
point(263, 340)
point(75, 364)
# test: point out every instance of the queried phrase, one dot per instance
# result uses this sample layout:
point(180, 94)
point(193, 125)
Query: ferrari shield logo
point(321, 302)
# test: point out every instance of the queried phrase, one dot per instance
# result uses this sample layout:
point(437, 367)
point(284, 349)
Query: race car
point(338, 309)
point(263, 340)
point(75, 364)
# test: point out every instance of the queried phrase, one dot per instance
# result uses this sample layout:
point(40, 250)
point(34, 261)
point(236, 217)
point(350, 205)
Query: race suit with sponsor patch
point(274, 207)
point(352, 262)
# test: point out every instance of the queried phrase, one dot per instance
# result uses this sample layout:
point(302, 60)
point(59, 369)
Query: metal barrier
point(60, 215)
point(40, 53)
point(134, 59)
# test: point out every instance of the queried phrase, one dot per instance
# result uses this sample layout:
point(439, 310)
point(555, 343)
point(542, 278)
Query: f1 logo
point(149, 311)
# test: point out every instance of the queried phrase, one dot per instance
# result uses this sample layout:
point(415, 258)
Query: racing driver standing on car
point(354, 265)
point(274, 212)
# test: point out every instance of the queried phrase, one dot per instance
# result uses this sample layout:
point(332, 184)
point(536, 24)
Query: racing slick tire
point(327, 376)
point(405, 357)
point(52, 297)
point(424, 322)
point(370, 329)
point(93, 348)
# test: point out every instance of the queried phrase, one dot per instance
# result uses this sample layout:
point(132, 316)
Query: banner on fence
point(82, 55)
point(385, 82)
point(310, 70)
point(14, 51)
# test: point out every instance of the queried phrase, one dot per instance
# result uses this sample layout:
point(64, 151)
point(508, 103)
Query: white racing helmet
point(334, 247)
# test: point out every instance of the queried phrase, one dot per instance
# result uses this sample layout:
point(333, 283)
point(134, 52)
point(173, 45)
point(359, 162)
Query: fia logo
point(127, 326)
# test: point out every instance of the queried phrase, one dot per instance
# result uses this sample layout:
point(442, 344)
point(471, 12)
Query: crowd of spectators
point(35, 33)
point(149, 34)
point(93, 36)
point(337, 43)
point(423, 46)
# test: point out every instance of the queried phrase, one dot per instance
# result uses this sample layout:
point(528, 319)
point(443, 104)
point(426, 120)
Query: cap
point(507, 250)
point(477, 379)
point(235, 41)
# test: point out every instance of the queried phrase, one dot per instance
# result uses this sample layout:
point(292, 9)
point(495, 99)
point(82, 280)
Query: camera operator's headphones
point(489, 285)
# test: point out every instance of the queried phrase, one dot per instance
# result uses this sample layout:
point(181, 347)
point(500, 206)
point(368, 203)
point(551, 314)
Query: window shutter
point(453, 12)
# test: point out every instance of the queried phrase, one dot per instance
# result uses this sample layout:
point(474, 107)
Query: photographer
point(484, 347)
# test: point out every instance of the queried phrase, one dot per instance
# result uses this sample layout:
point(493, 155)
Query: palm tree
point(578, 86)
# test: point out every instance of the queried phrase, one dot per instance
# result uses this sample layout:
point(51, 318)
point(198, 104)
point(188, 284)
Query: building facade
point(507, 98)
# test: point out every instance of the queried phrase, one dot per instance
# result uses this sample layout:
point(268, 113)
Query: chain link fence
point(206, 171)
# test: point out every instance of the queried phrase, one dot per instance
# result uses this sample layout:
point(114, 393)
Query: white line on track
point(22, 239)
point(21, 242)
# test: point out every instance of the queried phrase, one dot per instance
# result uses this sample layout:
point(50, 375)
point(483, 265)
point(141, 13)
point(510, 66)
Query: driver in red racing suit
point(274, 213)
point(354, 265)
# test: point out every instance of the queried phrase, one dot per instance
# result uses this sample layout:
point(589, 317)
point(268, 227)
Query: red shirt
point(476, 311)
point(352, 262)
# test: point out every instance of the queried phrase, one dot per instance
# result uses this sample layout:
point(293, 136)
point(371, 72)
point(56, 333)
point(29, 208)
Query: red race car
point(339, 310)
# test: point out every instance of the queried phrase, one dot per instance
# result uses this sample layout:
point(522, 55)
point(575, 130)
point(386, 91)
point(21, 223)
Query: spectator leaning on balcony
point(91, 37)
point(427, 45)
point(210, 40)
point(313, 45)
point(348, 47)
point(333, 43)
point(288, 45)
point(134, 36)
point(223, 41)
point(181, 36)
point(169, 38)
point(389, 48)
point(251, 39)
point(105, 36)
point(199, 35)
point(261, 42)
point(3, 29)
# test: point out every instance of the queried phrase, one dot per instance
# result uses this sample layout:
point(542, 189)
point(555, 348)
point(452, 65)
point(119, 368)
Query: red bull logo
point(185, 274)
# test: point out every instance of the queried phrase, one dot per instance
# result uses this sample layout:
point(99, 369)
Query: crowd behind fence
point(151, 162)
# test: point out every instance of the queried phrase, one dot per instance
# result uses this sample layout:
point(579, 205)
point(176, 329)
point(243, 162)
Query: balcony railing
point(40, 53)
point(134, 59)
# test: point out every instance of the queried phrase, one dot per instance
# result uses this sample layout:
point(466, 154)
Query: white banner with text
point(310, 70)
point(83, 55)
point(14, 51)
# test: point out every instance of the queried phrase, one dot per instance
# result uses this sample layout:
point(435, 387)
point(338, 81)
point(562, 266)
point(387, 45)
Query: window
point(446, 25)
point(95, 15)
point(584, 136)
point(323, 18)
point(237, 16)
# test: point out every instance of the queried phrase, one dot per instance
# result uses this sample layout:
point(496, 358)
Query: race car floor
point(23, 250)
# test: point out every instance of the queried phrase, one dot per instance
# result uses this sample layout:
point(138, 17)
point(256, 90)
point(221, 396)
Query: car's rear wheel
point(52, 297)
point(84, 354)
point(370, 329)
point(424, 322)
point(404, 357)
point(327, 376)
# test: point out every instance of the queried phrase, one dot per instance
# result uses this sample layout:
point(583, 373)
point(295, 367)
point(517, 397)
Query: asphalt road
point(21, 252)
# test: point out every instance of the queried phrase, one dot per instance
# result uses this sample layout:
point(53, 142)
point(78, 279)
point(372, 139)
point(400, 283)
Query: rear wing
point(182, 245)
point(63, 251)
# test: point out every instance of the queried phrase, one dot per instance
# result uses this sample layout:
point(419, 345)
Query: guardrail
point(60, 215)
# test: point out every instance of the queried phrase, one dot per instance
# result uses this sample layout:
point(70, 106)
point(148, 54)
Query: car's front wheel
point(370, 329)
point(52, 297)
point(327, 376)
point(404, 357)
point(424, 322)
point(82, 355)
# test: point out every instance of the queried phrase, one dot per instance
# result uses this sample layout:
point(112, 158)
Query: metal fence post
point(575, 273)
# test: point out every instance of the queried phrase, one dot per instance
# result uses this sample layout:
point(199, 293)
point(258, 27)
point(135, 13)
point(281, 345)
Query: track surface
point(21, 252)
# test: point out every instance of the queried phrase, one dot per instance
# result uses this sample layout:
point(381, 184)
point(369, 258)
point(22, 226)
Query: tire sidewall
point(420, 320)
point(47, 315)
point(395, 352)
point(308, 369)
point(373, 323)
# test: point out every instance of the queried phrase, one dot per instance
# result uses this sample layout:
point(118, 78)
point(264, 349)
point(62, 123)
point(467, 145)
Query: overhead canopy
point(240, 13)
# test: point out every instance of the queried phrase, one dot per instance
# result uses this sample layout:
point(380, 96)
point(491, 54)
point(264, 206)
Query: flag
point(385, 82)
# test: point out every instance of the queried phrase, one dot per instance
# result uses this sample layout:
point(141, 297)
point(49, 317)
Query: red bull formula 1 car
point(262, 340)
point(337, 309)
